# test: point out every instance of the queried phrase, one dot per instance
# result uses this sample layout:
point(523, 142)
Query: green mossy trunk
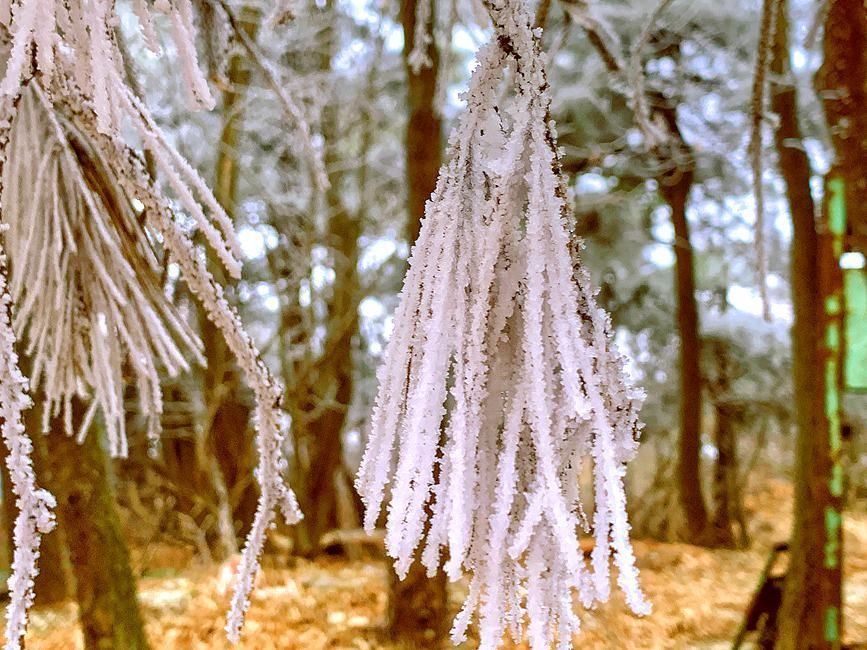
point(105, 587)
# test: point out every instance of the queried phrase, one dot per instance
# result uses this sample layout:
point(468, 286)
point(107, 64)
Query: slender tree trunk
point(227, 403)
point(329, 396)
point(725, 490)
point(418, 605)
point(810, 612)
point(689, 447)
point(105, 587)
point(675, 187)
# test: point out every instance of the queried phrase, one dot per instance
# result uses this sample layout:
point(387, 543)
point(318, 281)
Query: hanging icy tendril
point(500, 378)
point(35, 505)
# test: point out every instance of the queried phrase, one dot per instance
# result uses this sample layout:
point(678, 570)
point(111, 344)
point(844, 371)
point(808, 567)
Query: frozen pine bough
point(84, 224)
point(500, 380)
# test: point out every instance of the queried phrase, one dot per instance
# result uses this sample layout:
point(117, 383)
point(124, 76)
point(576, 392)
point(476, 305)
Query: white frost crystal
point(500, 380)
point(35, 505)
point(83, 215)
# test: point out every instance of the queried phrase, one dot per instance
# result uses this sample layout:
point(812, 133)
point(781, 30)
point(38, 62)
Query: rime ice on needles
point(274, 494)
point(84, 279)
point(86, 29)
point(35, 505)
point(500, 379)
point(99, 305)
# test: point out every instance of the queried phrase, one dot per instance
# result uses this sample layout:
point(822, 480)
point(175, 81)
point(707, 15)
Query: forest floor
point(699, 596)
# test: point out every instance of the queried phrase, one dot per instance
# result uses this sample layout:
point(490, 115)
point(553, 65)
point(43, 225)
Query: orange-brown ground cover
point(699, 596)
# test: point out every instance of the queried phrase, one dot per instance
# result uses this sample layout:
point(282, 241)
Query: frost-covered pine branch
point(275, 494)
point(86, 30)
point(94, 305)
point(500, 381)
point(85, 280)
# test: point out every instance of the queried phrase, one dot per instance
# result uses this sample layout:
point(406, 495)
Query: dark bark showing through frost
point(418, 605)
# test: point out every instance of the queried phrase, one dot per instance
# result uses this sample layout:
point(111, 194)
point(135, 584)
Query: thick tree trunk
point(418, 605)
point(810, 612)
point(54, 583)
point(841, 83)
point(424, 125)
point(105, 587)
point(54, 580)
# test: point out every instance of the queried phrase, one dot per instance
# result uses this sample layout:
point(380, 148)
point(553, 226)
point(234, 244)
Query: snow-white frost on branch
point(501, 381)
point(35, 516)
point(274, 494)
point(85, 280)
point(82, 214)
point(86, 28)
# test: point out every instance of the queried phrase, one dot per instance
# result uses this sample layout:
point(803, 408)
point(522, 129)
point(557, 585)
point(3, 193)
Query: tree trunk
point(418, 605)
point(227, 431)
point(328, 396)
point(810, 611)
point(105, 587)
point(675, 187)
point(54, 583)
point(424, 125)
point(841, 83)
point(725, 491)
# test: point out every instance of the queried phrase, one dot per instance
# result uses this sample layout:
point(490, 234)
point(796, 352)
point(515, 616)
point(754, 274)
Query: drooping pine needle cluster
point(500, 381)
point(83, 216)
point(84, 278)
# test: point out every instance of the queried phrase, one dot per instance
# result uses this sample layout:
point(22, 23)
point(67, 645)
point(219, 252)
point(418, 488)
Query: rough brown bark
point(54, 583)
point(812, 586)
point(418, 605)
point(841, 83)
point(105, 587)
